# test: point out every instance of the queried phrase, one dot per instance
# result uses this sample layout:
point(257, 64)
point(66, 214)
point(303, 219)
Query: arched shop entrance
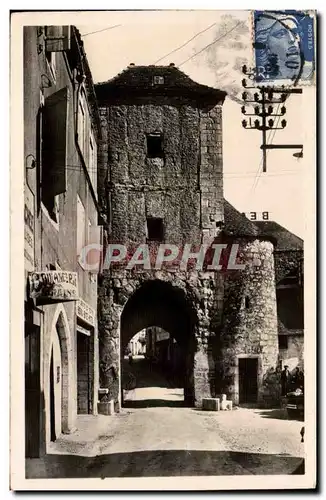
point(59, 379)
point(164, 306)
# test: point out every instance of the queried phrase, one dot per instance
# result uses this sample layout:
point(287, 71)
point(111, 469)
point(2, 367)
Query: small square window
point(283, 341)
point(158, 80)
point(155, 146)
point(155, 229)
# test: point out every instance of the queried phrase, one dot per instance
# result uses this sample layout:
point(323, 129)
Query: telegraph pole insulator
point(262, 103)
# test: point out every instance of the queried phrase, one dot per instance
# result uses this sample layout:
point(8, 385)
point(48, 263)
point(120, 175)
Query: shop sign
point(85, 312)
point(257, 215)
point(84, 331)
point(29, 229)
point(49, 287)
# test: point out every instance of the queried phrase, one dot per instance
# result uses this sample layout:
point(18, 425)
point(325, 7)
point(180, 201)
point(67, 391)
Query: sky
point(220, 42)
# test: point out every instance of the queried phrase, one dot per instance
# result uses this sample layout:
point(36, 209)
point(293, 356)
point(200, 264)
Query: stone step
point(211, 404)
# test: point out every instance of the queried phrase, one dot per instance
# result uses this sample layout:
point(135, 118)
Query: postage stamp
point(162, 337)
point(284, 46)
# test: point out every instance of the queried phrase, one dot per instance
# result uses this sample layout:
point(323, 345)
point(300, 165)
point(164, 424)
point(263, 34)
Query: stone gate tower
point(161, 180)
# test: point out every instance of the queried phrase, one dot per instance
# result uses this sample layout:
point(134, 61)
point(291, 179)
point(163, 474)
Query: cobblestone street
point(157, 436)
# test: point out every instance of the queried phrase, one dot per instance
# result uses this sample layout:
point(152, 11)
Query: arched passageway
point(160, 304)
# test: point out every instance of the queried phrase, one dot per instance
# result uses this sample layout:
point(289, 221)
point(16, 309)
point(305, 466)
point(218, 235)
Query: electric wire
point(100, 31)
point(212, 43)
point(186, 43)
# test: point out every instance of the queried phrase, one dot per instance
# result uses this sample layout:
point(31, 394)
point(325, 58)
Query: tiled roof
point(285, 239)
point(140, 80)
point(237, 224)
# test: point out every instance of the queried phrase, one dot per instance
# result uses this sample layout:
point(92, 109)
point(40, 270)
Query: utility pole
point(264, 130)
point(263, 101)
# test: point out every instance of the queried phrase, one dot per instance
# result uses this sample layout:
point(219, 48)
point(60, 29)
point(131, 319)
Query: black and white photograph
point(163, 176)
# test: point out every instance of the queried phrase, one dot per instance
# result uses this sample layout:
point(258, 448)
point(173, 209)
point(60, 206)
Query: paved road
point(169, 439)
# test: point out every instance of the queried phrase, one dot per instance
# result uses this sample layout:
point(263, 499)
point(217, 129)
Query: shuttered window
point(54, 149)
point(81, 226)
point(83, 127)
point(93, 161)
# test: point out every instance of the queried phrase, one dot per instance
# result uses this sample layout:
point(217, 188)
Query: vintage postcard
point(163, 178)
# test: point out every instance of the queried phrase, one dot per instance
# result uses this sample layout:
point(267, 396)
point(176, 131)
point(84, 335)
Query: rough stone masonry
point(161, 179)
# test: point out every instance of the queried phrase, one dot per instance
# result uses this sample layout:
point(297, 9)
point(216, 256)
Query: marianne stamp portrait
point(284, 46)
point(162, 326)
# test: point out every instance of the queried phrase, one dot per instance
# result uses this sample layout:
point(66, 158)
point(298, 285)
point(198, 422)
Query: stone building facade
point(289, 273)
point(161, 181)
point(61, 131)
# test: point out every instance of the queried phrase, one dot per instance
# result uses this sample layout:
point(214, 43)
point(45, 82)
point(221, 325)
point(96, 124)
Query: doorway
point(84, 374)
point(55, 387)
point(52, 401)
point(248, 374)
point(32, 391)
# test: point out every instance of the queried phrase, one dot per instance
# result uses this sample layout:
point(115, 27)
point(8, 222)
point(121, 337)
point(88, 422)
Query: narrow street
point(156, 436)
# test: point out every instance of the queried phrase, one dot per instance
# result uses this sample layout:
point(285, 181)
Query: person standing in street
point(285, 380)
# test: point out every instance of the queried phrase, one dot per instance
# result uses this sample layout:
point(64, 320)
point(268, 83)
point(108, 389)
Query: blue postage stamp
point(284, 46)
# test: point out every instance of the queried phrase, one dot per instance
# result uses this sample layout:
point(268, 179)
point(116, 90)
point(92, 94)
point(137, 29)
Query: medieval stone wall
point(249, 318)
point(202, 292)
point(231, 314)
point(185, 189)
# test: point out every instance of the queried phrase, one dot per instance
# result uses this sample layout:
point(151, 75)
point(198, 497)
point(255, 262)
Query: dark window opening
point(155, 146)
point(158, 80)
point(155, 229)
point(247, 302)
point(283, 341)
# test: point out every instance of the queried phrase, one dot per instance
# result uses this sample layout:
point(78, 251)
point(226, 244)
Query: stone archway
point(62, 377)
point(187, 305)
point(159, 303)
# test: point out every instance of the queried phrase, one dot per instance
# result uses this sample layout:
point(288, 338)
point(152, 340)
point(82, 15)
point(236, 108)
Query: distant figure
point(298, 378)
point(285, 380)
point(302, 434)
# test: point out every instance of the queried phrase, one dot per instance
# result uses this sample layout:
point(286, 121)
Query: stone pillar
point(202, 387)
point(109, 343)
point(211, 171)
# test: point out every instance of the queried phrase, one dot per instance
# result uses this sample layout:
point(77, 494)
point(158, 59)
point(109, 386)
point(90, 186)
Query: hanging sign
point(29, 229)
point(49, 287)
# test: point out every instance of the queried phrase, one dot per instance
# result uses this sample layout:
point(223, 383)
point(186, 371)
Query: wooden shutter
point(54, 144)
point(57, 38)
